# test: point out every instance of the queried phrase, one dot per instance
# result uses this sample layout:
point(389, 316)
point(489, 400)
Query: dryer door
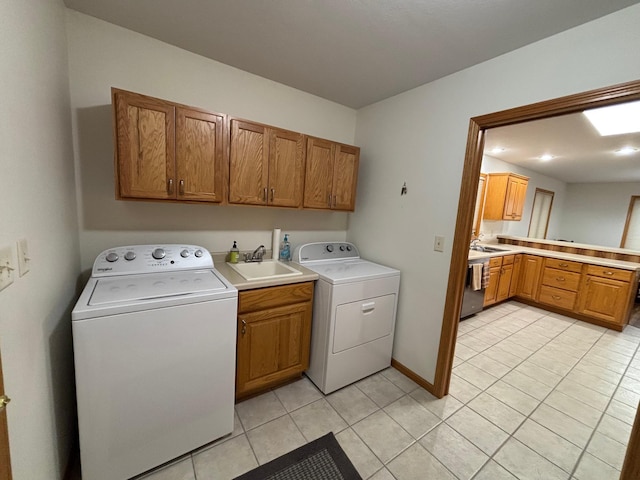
point(363, 321)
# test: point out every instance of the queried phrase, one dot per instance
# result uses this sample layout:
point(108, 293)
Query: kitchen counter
point(241, 283)
point(515, 249)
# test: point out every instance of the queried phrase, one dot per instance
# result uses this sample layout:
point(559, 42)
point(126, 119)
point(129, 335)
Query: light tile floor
point(533, 395)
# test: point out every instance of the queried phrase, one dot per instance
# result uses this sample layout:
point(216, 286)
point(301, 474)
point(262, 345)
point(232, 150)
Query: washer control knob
point(112, 257)
point(158, 253)
point(329, 248)
point(129, 255)
point(342, 248)
point(184, 253)
point(348, 248)
point(198, 253)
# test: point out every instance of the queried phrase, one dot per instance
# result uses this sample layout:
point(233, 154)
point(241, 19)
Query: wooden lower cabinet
point(530, 269)
point(274, 334)
point(501, 270)
point(604, 299)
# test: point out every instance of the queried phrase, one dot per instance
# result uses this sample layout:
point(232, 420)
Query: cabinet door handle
point(560, 279)
point(244, 327)
point(264, 194)
point(563, 265)
point(170, 187)
point(273, 192)
point(329, 200)
point(181, 187)
point(607, 272)
point(556, 297)
point(334, 200)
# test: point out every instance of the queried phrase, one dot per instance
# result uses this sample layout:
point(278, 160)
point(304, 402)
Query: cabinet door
point(345, 177)
point(514, 201)
point(145, 147)
point(491, 292)
point(529, 277)
point(248, 163)
point(515, 276)
point(199, 155)
point(273, 345)
point(286, 168)
point(318, 180)
point(504, 283)
point(604, 298)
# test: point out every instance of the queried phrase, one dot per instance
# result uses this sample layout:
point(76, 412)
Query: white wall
point(420, 137)
point(37, 202)
point(102, 55)
point(595, 213)
point(491, 228)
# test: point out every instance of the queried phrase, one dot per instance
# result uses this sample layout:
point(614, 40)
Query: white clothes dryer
point(154, 335)
point(354, 314)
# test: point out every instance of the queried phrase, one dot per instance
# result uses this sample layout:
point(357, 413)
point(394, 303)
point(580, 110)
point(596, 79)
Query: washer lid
point(132, 288)
point(350, 270)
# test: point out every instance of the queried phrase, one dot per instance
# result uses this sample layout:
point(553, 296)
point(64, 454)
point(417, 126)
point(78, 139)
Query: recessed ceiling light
point(497, 150)
point(616, 119)
point(546, 157)
point(626, 151)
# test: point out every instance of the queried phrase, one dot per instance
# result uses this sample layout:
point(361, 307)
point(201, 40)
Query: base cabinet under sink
point(274, 335)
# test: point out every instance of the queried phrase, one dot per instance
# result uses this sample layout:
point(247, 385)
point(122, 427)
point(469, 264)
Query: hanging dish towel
point(476, 276)
point(485, 274)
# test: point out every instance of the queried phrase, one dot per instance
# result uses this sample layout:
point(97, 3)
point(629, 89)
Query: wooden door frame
point(5, 454)
point(546, 227)
point(626, 223)
point(468, 191)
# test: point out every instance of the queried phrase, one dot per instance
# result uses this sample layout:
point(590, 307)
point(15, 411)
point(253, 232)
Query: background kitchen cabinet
point(530, 269)
point(491, 292)
point(331, 175)
point(605, 294)
point(515, 278)
point(165, 151)
point(266, 165)
point(505, 196)
point(506, 277)
point(274, 334)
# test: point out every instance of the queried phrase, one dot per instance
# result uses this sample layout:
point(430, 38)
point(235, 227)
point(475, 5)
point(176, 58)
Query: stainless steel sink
point(482, 248)
point(265, 270)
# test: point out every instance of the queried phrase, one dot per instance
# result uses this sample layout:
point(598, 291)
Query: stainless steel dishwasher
point(472, 300)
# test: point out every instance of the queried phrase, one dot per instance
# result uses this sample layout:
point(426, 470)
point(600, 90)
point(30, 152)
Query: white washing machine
point(154, 336)
point(354, 314)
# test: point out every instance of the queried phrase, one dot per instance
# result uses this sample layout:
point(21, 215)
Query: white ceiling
point(354, 52)
point(581, 154)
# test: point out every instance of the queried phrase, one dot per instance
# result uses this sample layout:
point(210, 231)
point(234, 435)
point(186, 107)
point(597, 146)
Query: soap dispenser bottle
point(234, 253)
point(285, 249)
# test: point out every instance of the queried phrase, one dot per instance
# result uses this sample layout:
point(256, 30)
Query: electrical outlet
point(438, 244)
point(6, 267)
point(23, 257)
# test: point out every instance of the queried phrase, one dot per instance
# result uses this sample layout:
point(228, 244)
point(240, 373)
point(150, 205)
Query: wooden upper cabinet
point(145, 139)
point(165, 151)
point(266, 165)
point(505, 196)
point(199, 155)
point(331, 175)
point(286, 168)
point(248, 163)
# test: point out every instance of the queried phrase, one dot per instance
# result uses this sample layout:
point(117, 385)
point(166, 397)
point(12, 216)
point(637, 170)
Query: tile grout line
point(618, 386)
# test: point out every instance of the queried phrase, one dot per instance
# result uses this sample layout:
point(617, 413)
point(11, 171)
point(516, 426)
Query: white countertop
point(514, 249)
point(567, 244)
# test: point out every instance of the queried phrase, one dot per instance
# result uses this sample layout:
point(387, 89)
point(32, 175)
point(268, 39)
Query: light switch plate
point(438, 244)
point(6, 267)
point(23, 257)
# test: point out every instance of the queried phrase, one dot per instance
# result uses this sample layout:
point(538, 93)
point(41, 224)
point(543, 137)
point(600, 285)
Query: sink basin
point(265, 270)
point(494, 249)
point(482, 248)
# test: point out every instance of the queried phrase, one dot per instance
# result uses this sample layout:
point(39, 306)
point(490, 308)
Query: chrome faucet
point(256, 256)
point(474, 244)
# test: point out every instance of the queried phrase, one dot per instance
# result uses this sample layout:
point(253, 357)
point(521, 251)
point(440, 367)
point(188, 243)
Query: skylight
point(615, 119)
